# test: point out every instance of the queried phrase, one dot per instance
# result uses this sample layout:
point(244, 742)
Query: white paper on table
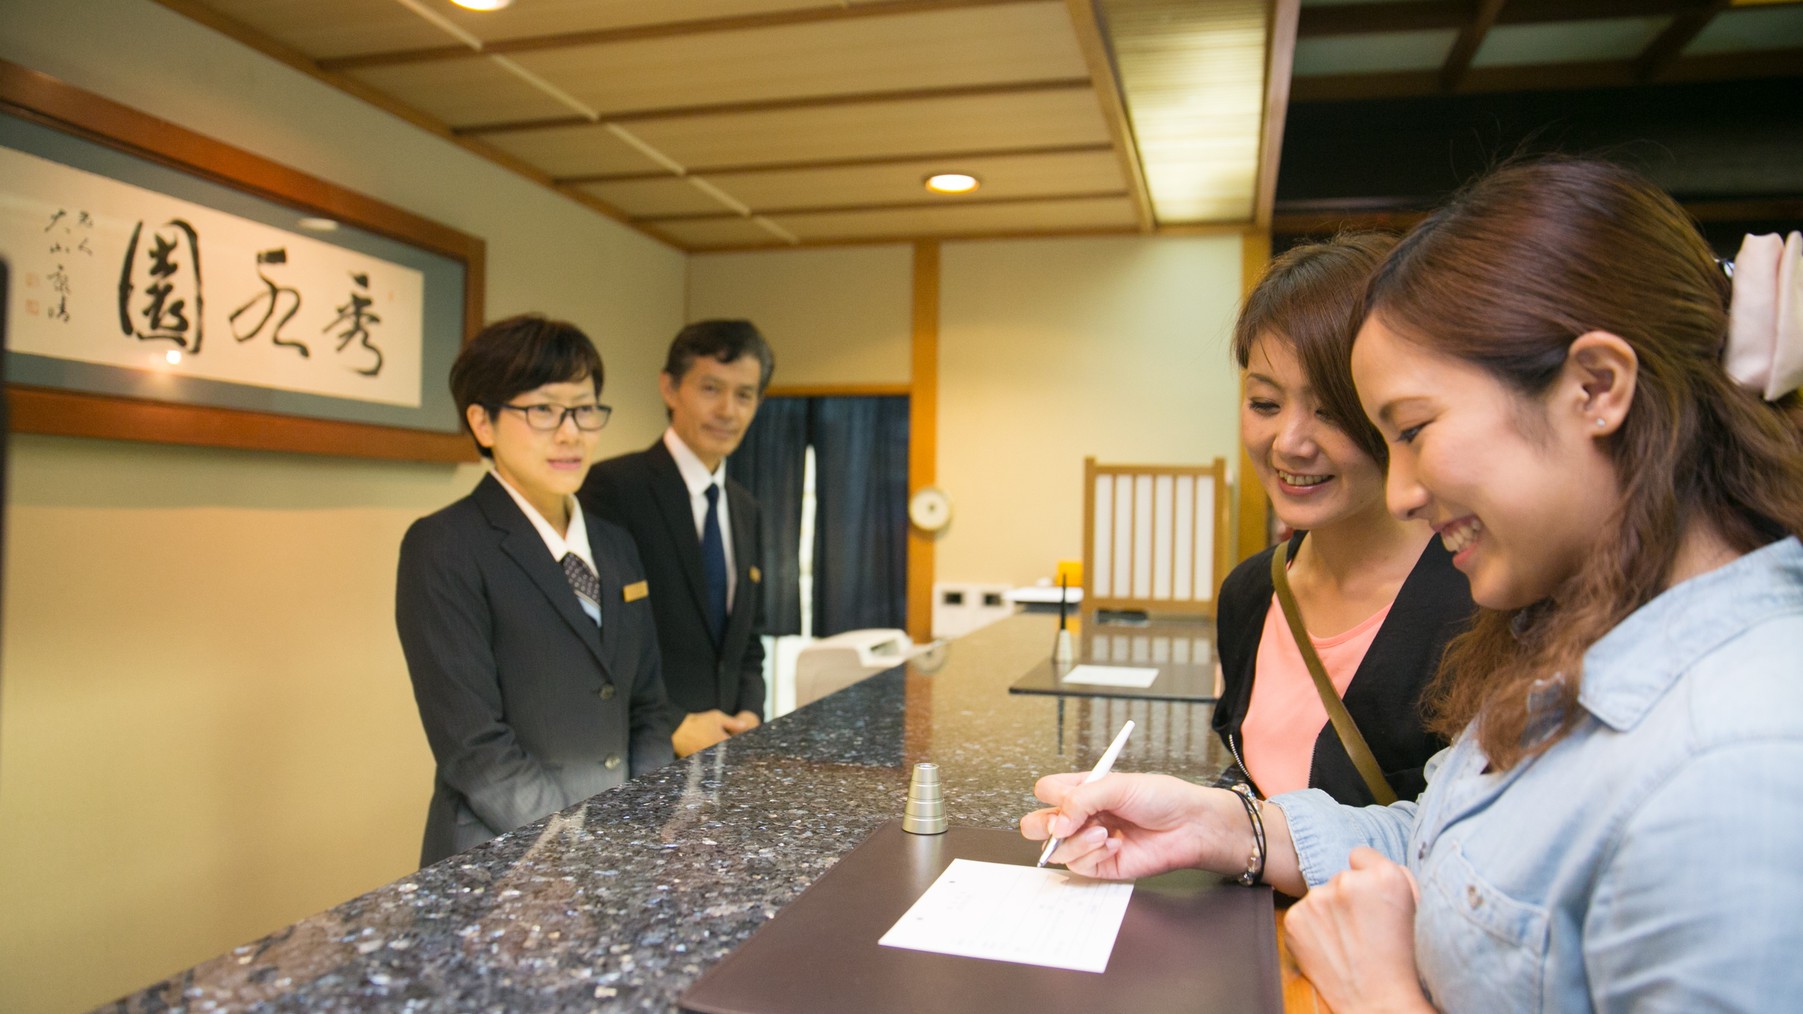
point(1111, 676)
point(1023, 914)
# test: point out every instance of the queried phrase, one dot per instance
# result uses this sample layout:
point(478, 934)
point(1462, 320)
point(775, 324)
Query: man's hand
point(700, 730)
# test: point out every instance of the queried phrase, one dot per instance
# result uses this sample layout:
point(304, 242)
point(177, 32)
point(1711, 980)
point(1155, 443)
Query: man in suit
point(697, 531)
point(526, 623)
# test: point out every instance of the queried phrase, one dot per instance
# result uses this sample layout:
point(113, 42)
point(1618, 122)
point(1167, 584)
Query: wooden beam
point(293, 58)
point(923, 431)
point(1664, 50)
point(658, 30)
point(748, 168)
point(1471, 37)
point(922, 205)
point(1091, 39)
point(774, 105)
point(1280, 63)
point(1250, 503)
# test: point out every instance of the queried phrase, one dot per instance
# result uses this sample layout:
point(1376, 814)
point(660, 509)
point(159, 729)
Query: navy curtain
point(770, 462)
point(861, 512)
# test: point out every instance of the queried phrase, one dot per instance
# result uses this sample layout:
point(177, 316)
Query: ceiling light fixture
point(482, 5)
point(952, 183)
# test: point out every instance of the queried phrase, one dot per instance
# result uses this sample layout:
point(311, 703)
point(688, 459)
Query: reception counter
point(621, 902)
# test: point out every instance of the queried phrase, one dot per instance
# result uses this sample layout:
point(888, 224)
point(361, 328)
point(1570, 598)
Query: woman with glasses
point(527, 625)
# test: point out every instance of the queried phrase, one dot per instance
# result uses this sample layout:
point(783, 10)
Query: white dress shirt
point(575, 541)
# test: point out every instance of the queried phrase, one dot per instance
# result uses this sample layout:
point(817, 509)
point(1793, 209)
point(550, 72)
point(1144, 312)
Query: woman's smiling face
point(1518, 489)
point(1313, 472)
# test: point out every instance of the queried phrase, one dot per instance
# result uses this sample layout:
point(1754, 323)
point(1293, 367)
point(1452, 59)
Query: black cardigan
point(1384, 697)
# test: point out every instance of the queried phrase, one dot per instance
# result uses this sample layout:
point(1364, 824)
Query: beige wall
point(206, 730)
point(1051, 350)
point(834, 316)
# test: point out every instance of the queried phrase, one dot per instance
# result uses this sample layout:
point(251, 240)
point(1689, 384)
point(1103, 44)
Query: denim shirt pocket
point(1477, 947)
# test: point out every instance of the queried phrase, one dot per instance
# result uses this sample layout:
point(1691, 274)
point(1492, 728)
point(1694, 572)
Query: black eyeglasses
point(548, 418)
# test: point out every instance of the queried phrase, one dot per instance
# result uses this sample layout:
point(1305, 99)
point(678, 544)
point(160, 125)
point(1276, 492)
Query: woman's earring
point(1601, 422)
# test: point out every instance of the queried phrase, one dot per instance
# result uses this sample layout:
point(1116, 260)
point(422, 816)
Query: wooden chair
point(1154, 537)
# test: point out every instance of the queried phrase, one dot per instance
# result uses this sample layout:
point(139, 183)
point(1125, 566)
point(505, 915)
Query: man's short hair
point(724, 341)
point(516, 355)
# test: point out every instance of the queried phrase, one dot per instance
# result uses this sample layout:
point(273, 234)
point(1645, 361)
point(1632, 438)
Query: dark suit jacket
point(1384, 697)
point(644, 493)
point(527, 705)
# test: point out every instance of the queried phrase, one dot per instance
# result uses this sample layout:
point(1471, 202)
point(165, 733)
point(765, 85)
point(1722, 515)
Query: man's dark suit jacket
point(527, 705)
point(645, 494)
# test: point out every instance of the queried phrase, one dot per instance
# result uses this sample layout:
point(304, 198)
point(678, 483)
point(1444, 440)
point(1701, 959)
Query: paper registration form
point(1022, 914)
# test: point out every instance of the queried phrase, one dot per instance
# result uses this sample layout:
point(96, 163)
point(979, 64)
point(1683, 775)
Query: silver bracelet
point(1255, 863)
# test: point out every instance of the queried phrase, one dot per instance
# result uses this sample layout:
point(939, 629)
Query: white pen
point(1102, 767)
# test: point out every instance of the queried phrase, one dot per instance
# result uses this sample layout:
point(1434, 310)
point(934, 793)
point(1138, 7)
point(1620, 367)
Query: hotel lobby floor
point(623, 901)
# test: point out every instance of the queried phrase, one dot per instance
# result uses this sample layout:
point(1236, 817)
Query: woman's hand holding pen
point(1124, 826)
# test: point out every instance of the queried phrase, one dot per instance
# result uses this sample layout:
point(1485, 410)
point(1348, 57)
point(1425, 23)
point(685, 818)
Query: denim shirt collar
point(1634, 664)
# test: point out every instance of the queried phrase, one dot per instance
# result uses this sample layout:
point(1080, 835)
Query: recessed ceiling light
point(952, 183)
point(482, 5)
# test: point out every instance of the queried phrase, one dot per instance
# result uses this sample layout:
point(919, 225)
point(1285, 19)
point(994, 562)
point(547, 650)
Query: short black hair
point(516, 355)
point(723, 341)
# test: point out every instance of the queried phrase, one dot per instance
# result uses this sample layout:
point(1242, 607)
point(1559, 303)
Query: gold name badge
point(757, 576)
point(635, 591)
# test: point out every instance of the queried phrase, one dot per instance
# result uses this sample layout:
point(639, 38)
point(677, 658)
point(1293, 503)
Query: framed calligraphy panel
point(169, 287)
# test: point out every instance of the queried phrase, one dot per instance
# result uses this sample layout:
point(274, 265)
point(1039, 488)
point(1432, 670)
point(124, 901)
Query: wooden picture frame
point(305, 422)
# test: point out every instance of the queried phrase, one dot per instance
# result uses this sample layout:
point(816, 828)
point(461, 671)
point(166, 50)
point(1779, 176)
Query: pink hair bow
point(1765, 317)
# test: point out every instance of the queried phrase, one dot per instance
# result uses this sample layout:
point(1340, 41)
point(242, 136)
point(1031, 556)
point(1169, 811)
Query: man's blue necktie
point(713, 565)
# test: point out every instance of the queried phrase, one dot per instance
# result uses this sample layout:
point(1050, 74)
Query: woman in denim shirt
point(1618, 824)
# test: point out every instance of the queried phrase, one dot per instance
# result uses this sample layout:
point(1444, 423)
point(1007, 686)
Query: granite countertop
point(621, 902)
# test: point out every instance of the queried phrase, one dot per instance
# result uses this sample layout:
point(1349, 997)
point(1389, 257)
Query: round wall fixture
point(930, 509)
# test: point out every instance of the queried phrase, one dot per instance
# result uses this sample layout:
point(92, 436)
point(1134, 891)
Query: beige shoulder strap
point(1343, 725)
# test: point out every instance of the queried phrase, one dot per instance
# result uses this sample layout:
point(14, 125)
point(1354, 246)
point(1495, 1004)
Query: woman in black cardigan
point(1378, 596)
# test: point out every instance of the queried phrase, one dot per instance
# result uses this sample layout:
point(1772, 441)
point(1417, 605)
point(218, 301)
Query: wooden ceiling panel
point(1362, 54)
point(1051, 217)
point(947, 48)
point(965, 123)
point(460, 92)
point(666, 195)
point(574, 151)
point(1570, 42)
point(1011, 177)
point(538, 18)
point(1745, 29)
point(327, 28)
point(972, 219)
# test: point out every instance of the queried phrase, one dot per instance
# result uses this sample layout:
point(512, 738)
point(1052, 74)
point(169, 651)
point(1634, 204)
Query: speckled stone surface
point(619, 903)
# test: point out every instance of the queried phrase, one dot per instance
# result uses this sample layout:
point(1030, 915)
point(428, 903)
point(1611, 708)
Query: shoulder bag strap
point(1343, 725)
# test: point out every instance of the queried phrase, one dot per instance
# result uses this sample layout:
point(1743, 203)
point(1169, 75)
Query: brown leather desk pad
point(1189, 942)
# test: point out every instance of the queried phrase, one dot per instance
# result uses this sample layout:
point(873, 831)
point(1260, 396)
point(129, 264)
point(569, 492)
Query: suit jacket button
point(607, 691)
point(612, 762)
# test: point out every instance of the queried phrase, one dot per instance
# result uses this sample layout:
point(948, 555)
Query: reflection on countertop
point(619, 903)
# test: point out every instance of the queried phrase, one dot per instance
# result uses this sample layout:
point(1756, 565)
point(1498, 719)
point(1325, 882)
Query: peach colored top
point(1285, 715)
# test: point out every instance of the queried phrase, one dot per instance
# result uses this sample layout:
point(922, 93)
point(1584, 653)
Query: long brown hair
point(1506, 276)
point(1309, 300)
